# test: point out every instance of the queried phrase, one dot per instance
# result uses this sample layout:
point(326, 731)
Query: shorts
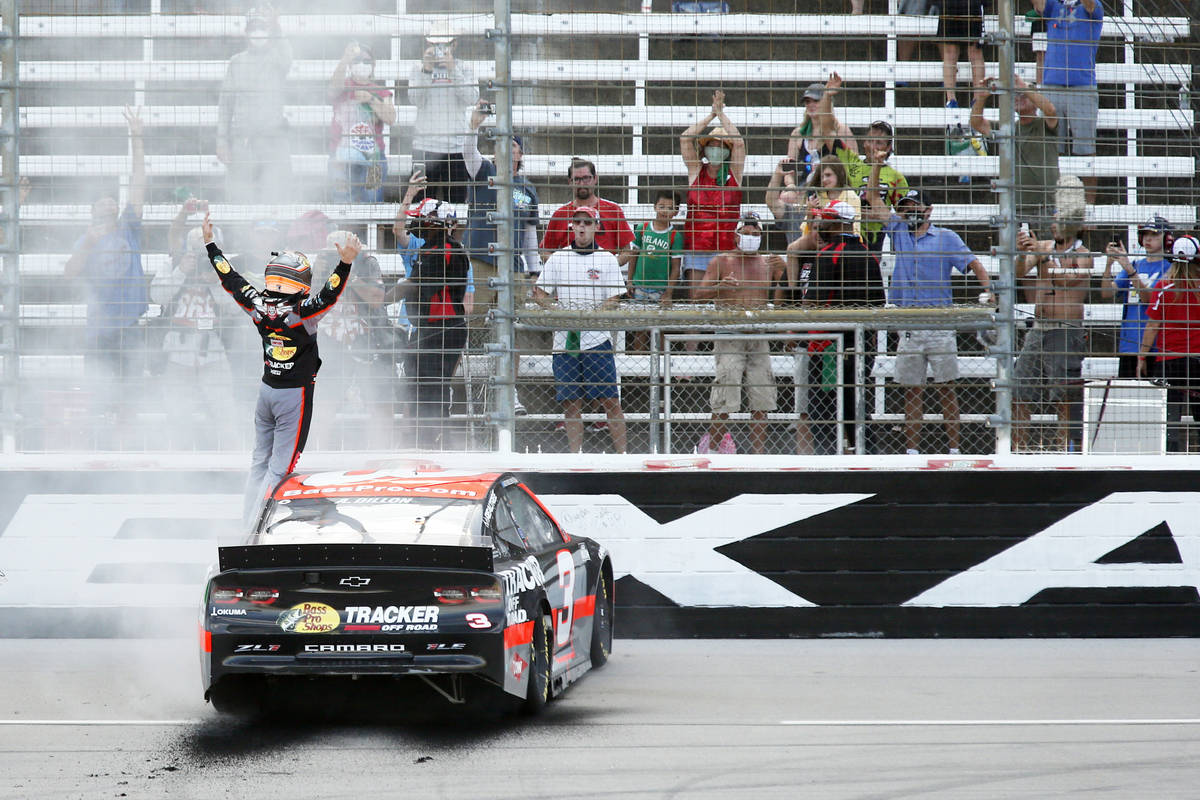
point(737, 359)
point(936, 349)
point(591, 374)
point(914, 8)
point(1039, 41)
point(961, 22)
point(1077, 108)
point(695, 261)
point(643, 295)
point(1050, 360)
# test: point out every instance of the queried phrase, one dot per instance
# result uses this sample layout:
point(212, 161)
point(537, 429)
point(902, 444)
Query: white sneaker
point(954, 451)
point(912, 452)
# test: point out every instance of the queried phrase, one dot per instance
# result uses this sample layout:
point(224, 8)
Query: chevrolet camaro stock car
point(463, 581)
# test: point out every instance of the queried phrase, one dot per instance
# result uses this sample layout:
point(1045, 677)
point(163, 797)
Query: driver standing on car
point(286, 317)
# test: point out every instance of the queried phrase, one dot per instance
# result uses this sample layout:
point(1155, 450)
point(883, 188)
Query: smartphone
point(1118, 239)
point(789, 165)
point(439, 51)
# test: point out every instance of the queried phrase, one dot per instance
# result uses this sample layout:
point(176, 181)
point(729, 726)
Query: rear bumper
point(350, 664)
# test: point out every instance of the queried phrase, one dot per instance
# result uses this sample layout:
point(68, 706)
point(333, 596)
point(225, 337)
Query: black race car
point(463, 581)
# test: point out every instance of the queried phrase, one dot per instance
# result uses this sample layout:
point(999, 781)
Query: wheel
point(602, 624)
point(238, 696)
point(538, 693)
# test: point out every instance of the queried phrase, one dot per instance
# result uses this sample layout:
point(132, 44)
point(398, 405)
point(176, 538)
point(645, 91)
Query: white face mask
point(715, 154)
point(748, 243)
point(361, 72)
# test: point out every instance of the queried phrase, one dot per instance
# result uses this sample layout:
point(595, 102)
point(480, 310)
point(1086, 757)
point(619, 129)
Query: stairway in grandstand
point(615, 87)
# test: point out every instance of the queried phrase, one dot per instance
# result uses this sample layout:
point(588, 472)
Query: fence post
point(1006, 293)
point(506, 372)
point(10, 247)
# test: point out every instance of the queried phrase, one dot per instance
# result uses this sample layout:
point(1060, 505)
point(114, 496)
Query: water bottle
point(1185, 97)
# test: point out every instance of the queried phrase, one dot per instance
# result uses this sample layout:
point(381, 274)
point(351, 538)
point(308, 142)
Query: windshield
point(375, 520)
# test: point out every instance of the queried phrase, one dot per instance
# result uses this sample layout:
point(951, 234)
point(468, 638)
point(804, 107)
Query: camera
point(439, 51)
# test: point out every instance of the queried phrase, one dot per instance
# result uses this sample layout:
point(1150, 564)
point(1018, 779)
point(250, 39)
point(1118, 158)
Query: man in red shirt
point(613, 234)
point(1174, 319)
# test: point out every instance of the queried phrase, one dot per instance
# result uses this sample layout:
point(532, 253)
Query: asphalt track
point(665, 719)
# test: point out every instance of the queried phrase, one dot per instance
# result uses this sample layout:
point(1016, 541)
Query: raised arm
point(737, 145)
point(825, 124)
point(137, 174)
point(337, 81)
point(1049, 112)
point(471, 155)
point(232, 282)
point(687, 144)
point(878, 210)
point(983, 91)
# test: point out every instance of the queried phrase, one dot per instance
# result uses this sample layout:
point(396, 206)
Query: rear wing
point(274, 556)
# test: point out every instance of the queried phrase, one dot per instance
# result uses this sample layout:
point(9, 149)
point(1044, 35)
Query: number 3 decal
point(566, 614)
point(478, 620)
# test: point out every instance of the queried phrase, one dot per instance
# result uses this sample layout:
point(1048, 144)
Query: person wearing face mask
point(361, 109)
point(741, 279)
point(435, 295)
point(252, 131)
point(107, 260)
point(926, 256)
point(714, 163)
point(286, 316)
point(443, 89)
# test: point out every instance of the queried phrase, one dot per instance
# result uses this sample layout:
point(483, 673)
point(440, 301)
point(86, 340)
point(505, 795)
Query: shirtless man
point(741, 279)
point(1058, 271)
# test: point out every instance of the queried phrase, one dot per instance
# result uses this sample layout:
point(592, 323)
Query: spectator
point(435, 294)
point(364, 341)
point(741, 279)
point(830, 185)
point(1052, 355)
point(906, 47)
point(1175, 324)
point(108, 261)
point(361, 109)
point(196, 370)
point(654, 270)
point(286, 317)
point(878, 139)
point(442, 90)
point(926, 257)
point(308, 232)
point(1036, 148)
point(481, 234)
point(585, 277)
point(845, 273)
point(1134, 288)
point(714, 163)
point(1069, 75)
point(252, 131)
point(1039, 42)
point(815, 135)
point(785, 198)
point(960, 21)
point(613, 232)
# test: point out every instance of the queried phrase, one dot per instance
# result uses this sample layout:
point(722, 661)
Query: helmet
point(1186, 249)
point(291, 269)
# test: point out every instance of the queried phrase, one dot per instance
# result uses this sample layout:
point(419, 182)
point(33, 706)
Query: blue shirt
point(1133, 316)
point(1072, 38)
point(924, 265)
point(481, 199)
point(116, 286)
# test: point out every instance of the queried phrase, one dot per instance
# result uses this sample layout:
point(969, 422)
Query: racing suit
point(288, 327)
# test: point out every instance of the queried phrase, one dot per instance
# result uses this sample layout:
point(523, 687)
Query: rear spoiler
point(273, 556)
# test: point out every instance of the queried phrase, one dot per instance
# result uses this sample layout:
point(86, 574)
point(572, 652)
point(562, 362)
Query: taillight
point(451, 595)
point(226, 594)
point(263, 597)
point(486, 594)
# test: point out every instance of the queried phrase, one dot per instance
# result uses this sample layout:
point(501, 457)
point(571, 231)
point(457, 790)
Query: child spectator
point(1134, 288)
point(654, 260)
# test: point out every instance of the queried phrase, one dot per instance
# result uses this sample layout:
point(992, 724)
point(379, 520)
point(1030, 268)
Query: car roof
point(387, 483)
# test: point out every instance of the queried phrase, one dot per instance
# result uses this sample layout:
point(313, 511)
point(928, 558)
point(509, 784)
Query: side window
point(507, 536)
point(539, 530)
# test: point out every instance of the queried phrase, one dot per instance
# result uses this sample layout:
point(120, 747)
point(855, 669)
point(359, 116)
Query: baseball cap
point(1155, 224)
point(914, 196)
point(883, 125)
point(1186, 248)
point(841, 211)
point(750, 218)
point(586, 211)
point(441, 32)
point(815, 90)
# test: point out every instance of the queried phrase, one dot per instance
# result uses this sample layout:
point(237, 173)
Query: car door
point(563, 567)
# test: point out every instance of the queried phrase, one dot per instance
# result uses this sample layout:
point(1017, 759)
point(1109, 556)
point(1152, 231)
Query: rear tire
point(602, 624)
point(239, 695)
point(538, 693)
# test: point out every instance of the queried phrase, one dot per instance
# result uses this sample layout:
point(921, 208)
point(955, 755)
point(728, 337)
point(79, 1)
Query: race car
point(463, 581)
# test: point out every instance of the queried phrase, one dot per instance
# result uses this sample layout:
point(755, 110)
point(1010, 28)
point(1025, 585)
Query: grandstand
point(613, 85)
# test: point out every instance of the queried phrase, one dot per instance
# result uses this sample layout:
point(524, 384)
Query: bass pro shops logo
point(310, 618)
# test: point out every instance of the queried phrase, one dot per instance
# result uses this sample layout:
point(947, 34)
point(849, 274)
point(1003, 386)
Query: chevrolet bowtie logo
point(354, 582)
